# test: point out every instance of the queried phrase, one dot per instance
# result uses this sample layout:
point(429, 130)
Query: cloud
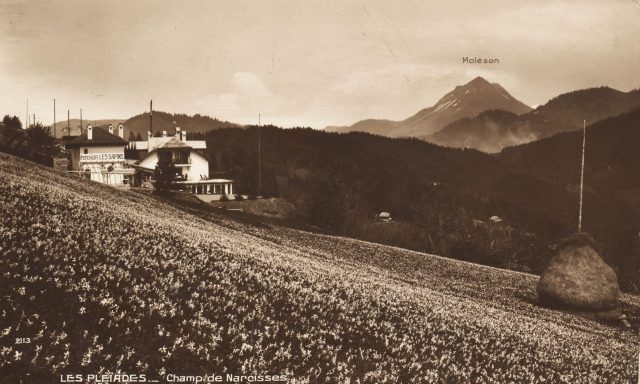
point(247, 93)
point(318, 63)
point(248, 84)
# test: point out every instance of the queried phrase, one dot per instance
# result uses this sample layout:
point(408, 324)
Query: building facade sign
point(101, 157)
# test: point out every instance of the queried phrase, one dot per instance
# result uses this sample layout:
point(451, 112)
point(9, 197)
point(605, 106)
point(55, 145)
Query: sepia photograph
point(320, 191)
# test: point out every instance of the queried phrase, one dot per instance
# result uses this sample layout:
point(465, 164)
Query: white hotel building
point(100, 155)
point(189, 158)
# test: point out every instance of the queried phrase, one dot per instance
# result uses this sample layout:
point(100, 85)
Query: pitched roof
point(173, 143)
point(100, 137)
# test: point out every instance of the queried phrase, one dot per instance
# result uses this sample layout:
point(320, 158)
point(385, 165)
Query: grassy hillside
point(104, 280)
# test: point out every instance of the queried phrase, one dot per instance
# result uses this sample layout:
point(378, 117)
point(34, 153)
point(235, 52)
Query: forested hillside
point(440, 199)
point(163, 121)
point(592, 105)
point(493, 130)
point(612, 166)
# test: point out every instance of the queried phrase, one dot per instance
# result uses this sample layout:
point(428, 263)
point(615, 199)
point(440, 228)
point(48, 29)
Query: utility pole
point(584, 140)
point(259, 157)
point(26, 120)
point(68, 124)
point(54, 117)
point(81, 121)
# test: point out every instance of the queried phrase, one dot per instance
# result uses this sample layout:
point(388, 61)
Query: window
point(180, 157)
point(86, 150)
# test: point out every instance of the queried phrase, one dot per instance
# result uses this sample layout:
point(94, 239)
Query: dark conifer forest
point(441, 199)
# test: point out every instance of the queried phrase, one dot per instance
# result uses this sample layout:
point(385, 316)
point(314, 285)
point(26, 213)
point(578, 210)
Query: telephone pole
point(259, 157)
point(54, 117)
point(584, 140)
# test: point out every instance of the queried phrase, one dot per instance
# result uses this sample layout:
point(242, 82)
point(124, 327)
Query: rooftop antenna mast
point(584, 140)
point(151, 116)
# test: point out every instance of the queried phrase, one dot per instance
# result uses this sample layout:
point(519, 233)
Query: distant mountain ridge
point(140, 124)
point(493, 131)
point(591, 104)
point(612, 156)
point(163, 121)
point(74, 126)
point(466, 100)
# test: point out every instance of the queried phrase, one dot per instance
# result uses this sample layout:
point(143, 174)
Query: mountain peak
point(466, 100)
point(478, 81)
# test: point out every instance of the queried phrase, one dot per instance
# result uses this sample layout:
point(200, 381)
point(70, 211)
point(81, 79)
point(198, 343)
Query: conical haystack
point(578, 279)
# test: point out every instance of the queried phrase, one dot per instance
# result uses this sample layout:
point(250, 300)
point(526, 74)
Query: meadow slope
point(104, 280)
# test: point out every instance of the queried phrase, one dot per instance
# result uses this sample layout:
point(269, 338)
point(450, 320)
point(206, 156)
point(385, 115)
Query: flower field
point(101, 281)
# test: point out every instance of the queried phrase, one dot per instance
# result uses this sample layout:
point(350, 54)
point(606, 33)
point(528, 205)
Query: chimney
point(164, 133)
point(121, 130)
point(184, 136)
point(111, 129)
point(178, 133)
point(89, 132)
point(149, 135)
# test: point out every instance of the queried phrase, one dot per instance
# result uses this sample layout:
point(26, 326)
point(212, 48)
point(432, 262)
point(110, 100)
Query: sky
point(303, 63)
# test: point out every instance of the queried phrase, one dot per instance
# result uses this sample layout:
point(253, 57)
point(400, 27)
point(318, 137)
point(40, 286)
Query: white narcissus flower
point(342, 302)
